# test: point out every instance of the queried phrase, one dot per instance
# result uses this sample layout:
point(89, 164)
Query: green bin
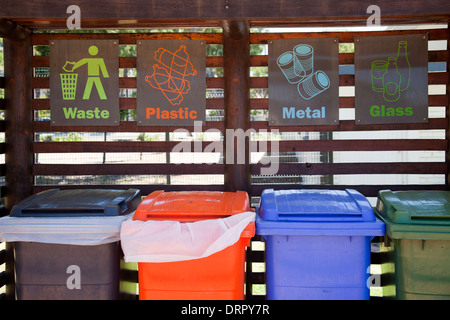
point(418, 242)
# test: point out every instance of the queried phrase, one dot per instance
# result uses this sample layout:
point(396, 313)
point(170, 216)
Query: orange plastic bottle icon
point(172, 74)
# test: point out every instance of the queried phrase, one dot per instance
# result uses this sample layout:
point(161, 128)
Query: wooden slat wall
point(288, 169)
point(379, 168)
point(349, 125)
point(125, 126)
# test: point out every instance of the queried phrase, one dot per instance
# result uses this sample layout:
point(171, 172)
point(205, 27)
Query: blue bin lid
point(315, 205)
point(310, 212)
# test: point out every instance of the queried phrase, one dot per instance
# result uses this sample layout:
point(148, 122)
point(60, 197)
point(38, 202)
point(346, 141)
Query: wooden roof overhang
point(50, 14)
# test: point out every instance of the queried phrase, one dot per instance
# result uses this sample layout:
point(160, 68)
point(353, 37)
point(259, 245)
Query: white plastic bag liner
point(170, 241)
point(62, 230)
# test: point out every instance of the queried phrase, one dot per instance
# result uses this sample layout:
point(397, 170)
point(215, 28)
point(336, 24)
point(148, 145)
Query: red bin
point(219, 276)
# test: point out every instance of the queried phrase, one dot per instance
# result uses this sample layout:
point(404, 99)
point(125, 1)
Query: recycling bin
point(317, 243)
point(66, 243)
point(216, 276)
point(418, 243)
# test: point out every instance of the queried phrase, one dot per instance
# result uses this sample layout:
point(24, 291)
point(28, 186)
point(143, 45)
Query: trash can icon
point(69, 85)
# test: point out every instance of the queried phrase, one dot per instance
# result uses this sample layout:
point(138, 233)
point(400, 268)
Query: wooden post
point(447, 111)
point(236, 57)
point(18, 53)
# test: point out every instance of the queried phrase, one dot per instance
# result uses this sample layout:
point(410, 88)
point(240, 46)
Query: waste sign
point(84, 82)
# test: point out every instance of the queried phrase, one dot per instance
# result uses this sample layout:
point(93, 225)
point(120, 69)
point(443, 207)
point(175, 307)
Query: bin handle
point(395, 209)
point(128, 200)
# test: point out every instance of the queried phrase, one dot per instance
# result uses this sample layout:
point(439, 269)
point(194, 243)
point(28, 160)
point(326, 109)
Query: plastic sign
point(304, 81)
point(84, 82)
point(391, 79)
point(171, 83)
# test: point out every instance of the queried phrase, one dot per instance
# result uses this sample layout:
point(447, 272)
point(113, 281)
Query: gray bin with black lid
point(81, 266)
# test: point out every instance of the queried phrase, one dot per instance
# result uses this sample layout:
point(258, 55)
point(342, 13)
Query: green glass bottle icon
point(403, 66)
point(391, 81)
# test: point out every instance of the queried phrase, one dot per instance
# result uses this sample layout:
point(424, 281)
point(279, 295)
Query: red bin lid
point(189, 206)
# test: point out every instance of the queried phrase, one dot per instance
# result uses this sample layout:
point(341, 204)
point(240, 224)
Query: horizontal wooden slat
point(126, 38)
point(348, 58)
point(255, 103)
point(2, 256)
point(361, 145)
point(125, 169)
point(113, 146)
point(124, 62)
point(283, 168)
point(345, 125)
point(356, 168)
point(366, 190)
point(125, 126)
point(255, 82)
point(145, 188)
point(282, 146)
point(136, 10)
point(127, 103)
point(349, 80)
point(255, 60)
point(350, 125)
point(261, 38)
point(124, 82)
point(3, 279)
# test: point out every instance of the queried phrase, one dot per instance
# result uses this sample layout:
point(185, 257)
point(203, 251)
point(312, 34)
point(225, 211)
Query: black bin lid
point(78, 202)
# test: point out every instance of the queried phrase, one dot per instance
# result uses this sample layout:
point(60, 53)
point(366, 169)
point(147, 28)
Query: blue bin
point(317, 243)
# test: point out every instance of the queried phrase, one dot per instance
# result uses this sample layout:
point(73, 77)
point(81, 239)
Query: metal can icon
point(313, 85)
point(304, 56)
point(293, 72)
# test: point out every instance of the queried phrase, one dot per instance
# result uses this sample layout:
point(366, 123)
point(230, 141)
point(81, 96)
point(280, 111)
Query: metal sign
point(304, 81)
point(391, 79)
point(171, 82)
point(84, 82)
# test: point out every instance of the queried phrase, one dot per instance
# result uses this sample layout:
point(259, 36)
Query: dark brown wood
point(263, 38)
point(366, 190)
point(349, 125)
point(18, 128)
point(447, 111)
point(125, 126)
point(116, 12)
point(19, 120)
point(127, 38)
point(361, 145)
point(145, 188)
point(13, 31)
point(112, 146)
point(125, 103)
point(125, 169)
point(236, 57)
point(358, 168)
point(283, 146)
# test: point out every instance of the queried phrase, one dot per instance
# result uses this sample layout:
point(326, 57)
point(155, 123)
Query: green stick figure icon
point(94, 65)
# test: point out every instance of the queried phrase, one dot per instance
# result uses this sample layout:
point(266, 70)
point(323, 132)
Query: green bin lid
point(415, 214)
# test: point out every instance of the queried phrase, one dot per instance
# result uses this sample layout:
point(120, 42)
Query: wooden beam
point(122, 11)
point(13, 31)
point(236, 57)
point(447, 113)
point(19, 120)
